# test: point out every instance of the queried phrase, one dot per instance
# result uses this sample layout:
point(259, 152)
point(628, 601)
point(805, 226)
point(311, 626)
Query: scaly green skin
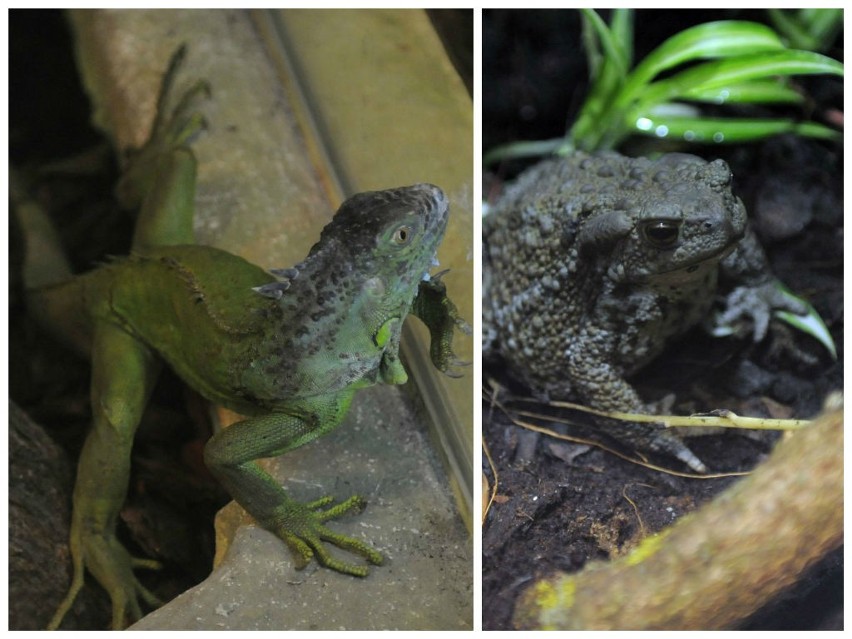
point(288, 348)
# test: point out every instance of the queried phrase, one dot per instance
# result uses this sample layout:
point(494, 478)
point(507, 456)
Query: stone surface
point(426, 580)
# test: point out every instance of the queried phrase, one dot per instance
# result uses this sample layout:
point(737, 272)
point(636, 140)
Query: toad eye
point(402, 235)
point(661, 234)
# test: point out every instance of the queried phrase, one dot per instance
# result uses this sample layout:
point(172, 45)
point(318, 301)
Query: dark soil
point(559, 506)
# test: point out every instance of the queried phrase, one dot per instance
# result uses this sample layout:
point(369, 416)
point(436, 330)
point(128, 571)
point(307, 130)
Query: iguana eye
point(661, 234)
point(403, 235)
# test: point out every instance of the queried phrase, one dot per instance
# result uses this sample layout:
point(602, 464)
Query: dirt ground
point(560, 505)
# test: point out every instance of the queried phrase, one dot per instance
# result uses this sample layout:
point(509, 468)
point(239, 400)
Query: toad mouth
point(696, 265)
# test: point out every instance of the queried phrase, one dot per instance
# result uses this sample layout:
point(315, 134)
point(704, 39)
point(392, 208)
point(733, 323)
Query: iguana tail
point(54, 299)
point(45, 262)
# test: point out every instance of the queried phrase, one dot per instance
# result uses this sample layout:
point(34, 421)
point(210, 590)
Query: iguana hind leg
point(123, 374)
point(162, 178)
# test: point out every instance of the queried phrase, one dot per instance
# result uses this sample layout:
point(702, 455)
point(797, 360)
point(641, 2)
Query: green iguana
point(287, 347)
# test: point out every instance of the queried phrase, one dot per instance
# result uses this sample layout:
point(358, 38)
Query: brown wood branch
point(717, 566)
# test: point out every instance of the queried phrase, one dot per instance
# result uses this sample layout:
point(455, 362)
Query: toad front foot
point(752, 307)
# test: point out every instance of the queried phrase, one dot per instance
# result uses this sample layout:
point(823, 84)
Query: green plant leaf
point(725, 130)
point(617, 41)
point(733, 62)
point(607, 74)
point(810, 323)
point(811, 29)
point(515, 150)
point(755, 92)
point(614, 51)
point(823, 24)
point(792, 29)
point(591, 46)
point(622, 31)
point(720, 39)
point(733, 71)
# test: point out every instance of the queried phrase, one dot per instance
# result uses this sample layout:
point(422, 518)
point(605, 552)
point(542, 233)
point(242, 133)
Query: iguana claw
point(301, 527)
point(437, 311)
point(170, 130)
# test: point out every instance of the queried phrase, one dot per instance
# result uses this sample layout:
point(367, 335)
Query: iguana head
point(391, 238)
point(390, 232)
point(390, 235)
point(383, 241)
point(347, 300)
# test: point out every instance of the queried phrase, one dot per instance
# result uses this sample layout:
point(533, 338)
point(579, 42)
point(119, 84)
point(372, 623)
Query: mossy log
point(715, 567)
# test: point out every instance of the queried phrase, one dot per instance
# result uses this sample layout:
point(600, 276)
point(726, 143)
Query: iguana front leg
point(231, 456)
point(159, 179)
point(123, 374)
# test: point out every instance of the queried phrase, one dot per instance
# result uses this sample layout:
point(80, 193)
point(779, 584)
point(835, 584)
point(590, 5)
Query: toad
point(594, 263)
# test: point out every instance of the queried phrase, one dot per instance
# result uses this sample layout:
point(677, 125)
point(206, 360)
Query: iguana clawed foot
point(171, 130)
point(110, 563)
point(437, 311)
point(301, 527)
